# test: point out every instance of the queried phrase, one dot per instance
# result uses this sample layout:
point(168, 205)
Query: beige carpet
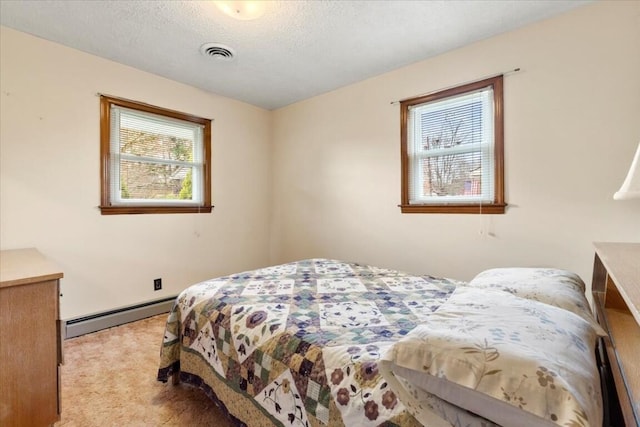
point(109, 379)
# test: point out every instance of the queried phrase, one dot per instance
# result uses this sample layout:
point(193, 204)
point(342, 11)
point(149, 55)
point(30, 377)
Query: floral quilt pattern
point(299, 344)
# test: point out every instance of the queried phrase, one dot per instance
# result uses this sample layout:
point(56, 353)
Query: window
point(153, 160)
point(452, 150)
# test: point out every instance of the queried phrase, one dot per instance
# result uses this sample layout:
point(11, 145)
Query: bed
point(323, 342)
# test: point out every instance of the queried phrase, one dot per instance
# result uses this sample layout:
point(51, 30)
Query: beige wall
point(321, 178)
point(50, 188)
point(572, 123)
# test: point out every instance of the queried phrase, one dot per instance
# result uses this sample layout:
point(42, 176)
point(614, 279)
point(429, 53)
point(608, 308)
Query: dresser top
point(622, 261)
point(24, 266)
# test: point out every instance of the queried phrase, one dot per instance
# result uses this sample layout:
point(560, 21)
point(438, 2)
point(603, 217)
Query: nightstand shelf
point(616, 296)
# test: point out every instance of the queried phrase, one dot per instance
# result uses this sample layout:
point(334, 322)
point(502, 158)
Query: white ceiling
point(296, 50)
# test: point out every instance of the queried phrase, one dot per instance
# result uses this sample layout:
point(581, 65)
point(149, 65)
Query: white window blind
point(450, 147)
point(154, 159)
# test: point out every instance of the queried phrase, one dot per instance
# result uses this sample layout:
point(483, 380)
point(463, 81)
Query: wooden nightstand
point(30, 340)
point(616, 297)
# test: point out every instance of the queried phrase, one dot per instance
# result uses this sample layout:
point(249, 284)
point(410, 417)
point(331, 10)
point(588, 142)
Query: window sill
point(134, 210)
point(455, 209)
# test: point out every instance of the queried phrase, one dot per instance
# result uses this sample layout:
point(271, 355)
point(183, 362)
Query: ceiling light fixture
point(243, 10)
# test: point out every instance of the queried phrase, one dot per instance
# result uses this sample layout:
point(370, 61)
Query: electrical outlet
point(157, 284)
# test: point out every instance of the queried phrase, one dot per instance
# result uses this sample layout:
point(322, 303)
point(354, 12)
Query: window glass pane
point(451, 176)
point(153, 145)
point(155, 181)
point(446, 124)
point(148, 136)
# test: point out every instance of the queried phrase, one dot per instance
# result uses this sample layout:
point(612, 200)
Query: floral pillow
point(511, 360)
point(552, 286)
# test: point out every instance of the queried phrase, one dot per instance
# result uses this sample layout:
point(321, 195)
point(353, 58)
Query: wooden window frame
point(498, 205)
point(106, 206)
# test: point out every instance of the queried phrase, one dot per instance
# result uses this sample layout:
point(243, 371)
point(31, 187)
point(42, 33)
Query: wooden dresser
point(30, 340)
point(616, 296)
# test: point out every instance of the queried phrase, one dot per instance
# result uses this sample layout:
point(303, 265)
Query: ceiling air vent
point(217, 51)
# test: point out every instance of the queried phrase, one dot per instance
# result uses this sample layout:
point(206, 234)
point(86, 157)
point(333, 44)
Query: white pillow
point(511, 360)
point(552, 286)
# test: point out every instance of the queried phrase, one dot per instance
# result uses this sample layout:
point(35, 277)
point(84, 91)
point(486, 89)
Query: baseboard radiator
point(108, 319)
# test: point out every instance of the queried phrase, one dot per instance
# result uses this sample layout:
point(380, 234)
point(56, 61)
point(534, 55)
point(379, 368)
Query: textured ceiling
point(296, 50)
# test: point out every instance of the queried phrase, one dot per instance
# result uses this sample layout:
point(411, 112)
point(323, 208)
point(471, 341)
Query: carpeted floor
point(109, 379)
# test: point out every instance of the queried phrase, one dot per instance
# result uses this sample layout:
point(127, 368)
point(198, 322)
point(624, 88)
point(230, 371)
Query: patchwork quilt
point(299, 344)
